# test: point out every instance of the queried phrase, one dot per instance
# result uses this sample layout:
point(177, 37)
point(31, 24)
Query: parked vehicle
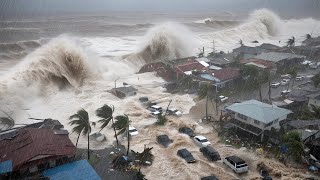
point(236, 164)
point(155, 113)
point(201, 141)
point(223, 98)
point(314, 65)
point(187, 131)
point(209, 178)
point(164, 140)
point(144, 99)
point(174, 111)
point(285, 92)
point(275, 84)
point(299, 78)
point(133, 131)
point(265, 174)
point(185, 154)
point(285, 82)
point(154, 108)
point(210, 153)
point(286, 76)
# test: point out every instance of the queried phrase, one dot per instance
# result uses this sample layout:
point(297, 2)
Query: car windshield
point(132, 130)
point(241, 165)
point(203, 140)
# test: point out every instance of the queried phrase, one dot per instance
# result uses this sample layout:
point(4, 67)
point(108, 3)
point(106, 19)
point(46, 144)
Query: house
point(221, 59)
point(314, 99)
point(125, 91)
point(281, 60)
point(258, 63)
point(243, 50)
point(302, 124)
point(256, 117)
point(72, 171)
point(269, 47)
point(30, 150)
point(222, 78)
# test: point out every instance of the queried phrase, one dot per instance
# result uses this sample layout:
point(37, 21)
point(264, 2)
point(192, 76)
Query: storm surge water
point(164, 42)
point(261, 24)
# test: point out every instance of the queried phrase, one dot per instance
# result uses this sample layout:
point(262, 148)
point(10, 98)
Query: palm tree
point(122, 125)
point(106, 113)
point(313, 113)
point(291, 42)
point(241, 42)
point(144, 156)
point(161, 119)
point(82, 125)
point(140, 176)
point(308, 36)
point(293, 140)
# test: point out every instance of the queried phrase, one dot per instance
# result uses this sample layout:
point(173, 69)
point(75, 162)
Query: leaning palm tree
point(291, 42)
point(106, 113)
point(81, 124)
point(308, 36)
point(122, 125)
point(143, 157)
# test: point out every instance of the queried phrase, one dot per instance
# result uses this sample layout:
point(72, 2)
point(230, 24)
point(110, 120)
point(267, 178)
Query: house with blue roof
point(78, 170)
point(256, 117)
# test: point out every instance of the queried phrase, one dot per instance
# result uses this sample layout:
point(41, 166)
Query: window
point(256, 122)
point(269, 124)
point(243, 117)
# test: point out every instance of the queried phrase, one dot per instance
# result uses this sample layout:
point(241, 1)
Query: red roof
point(189, 66)
point(267, 64)
point(32, 142)
point(226, 73)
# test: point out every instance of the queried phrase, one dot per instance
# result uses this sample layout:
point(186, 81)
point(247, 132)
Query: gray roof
point(126, 89)
point(276, 56)
point(298, 124)
point(259, 111)
point(268, 46)
point(248, 50)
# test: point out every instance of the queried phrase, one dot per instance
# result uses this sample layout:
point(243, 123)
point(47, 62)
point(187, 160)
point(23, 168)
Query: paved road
point(275, 92)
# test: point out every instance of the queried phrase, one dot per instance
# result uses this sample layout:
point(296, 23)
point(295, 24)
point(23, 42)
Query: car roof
point(155, 106)
point(156, 112)
point(236, 159)
point(200, 137)
point(173, 109)
point(183, 151)
point(131, 128)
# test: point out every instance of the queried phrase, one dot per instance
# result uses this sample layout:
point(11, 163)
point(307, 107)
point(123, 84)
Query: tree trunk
point(128, 142)
point(293, 82)
point(88, 147)
point(207, 108)
point(260, 94)
point(78, 139)
point(167, 109)
point(115, 133)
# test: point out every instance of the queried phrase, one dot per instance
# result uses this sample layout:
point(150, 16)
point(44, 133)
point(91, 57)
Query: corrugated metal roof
point(5, 166)
point(259, 111)
point(79, 170)
point(276, 56)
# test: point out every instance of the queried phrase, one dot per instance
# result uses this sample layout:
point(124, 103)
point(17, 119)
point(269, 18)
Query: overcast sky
point(20, 7)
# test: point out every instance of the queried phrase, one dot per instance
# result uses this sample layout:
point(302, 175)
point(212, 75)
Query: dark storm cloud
point(21, 7)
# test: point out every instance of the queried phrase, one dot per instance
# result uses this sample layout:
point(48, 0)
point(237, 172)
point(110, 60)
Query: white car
point(174, 111)
point(299, 78)
point(236, 164)
point(154, 108)
point(223, 98)
point(275, 84)
point(201, 141)
point(133, 131)
point(155, 113)
point(285, 92)
point(286, 76)
point(285, 82)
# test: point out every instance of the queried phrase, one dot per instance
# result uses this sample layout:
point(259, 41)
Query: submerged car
point(265, 175)
point(275, 84)
point(285, 82)
point(155, 113)
point(133, 131)
point(174, 111)
point(223, 98)
point(237, 164)
point(299, 78)
point(286, 76)
point(185, 154)
point(210, 153)
point(154, 108)
point(164, 140)
point(209, 178)
point(187, 131)
point(201, 141)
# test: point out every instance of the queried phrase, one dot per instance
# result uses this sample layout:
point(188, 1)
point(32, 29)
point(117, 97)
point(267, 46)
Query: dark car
point(210, 153)
point(187, 131)
point(185, 154)
point(164, 140)
point(265, 174)
point(210, 178)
